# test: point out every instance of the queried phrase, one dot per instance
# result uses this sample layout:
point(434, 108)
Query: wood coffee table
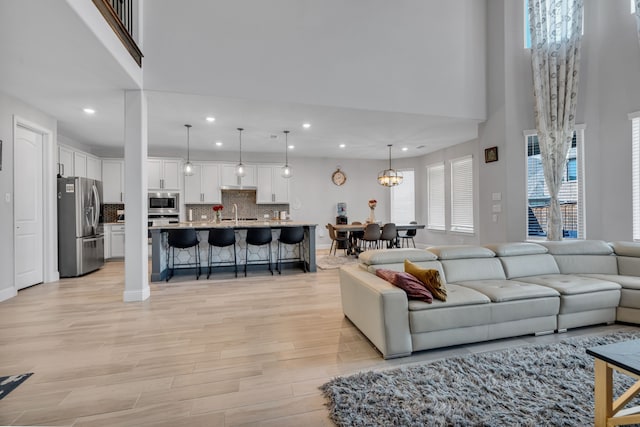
point(624, 357)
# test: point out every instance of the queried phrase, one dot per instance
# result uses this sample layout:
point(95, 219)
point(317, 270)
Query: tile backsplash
point(247, 206)
point(245, 199)
point(109, 211)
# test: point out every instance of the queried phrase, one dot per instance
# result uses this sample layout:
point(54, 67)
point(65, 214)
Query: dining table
point(354, 249)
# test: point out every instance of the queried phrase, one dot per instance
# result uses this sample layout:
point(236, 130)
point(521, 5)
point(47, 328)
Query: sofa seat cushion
point(570, 284)
point(509, 290)
point(627, 282)
point(630, 298)
point(464, 307)
point(456, 296)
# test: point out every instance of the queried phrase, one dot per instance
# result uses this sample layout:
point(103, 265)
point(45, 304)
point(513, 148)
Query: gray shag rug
point(538, 385)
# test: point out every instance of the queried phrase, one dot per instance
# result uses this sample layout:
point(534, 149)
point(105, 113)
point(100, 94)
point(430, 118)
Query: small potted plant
point(217, 209)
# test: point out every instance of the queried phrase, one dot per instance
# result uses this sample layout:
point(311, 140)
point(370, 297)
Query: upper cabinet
point(72, 162)
point(272, 187)
point(164, 174)
point(204, 185)
point(65, 161)
point(228, 176)
point(113, 181)
point(94, 168)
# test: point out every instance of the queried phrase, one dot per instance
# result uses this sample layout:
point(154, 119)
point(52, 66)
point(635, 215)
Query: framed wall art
point(491, 154)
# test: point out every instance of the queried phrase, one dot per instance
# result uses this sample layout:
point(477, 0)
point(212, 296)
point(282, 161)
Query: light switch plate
point(7, 197)
point(496, 208)
point(496, 196)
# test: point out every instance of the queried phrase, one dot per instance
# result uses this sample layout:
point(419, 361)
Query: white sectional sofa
point(494, 291)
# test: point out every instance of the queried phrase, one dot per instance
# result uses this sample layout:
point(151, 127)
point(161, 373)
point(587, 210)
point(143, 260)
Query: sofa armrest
point(378, 309)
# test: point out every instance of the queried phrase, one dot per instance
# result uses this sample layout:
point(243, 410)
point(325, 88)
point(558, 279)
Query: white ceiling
point(265, 71)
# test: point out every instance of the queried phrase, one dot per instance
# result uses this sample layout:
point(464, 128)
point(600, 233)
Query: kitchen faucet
point(235, 210)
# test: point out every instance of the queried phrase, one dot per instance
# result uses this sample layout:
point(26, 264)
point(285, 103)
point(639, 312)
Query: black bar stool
point(183, 238)
point(257, 236)
point(291, 236)
point(221, 238)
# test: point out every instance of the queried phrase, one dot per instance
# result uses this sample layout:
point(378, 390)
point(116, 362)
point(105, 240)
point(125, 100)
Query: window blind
point(462, 194)
point(435, 197)
point(403, 203)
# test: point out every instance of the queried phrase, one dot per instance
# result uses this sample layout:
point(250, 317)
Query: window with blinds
point(462, 194)
point(635, 172)
point(571, 194)
point(403, 199)
point(435, 197)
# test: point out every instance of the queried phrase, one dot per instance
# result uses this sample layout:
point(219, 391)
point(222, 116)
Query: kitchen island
point(160, 247)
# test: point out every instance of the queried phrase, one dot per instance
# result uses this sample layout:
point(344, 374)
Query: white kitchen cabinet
point(271, 186)
point(113, 181)
point(79, 164)
point(65, 161)
point(228, 176)
point(164, 174)
point(114, 241)
point(204, 185)
point(94, 168)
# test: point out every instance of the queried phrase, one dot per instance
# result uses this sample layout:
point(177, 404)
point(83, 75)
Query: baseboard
point(8, 293)
point(138, 295)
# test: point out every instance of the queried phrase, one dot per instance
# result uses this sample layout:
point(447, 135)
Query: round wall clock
point(338, 177)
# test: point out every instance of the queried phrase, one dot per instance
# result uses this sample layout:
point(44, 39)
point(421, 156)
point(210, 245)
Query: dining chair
point(389, 235)
point(335, 239)
point(408, 235)
point(371, 236)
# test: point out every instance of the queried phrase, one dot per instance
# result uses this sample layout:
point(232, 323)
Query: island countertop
point(233, 224)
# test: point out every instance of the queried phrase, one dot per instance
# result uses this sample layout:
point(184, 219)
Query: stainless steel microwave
point(163, 203)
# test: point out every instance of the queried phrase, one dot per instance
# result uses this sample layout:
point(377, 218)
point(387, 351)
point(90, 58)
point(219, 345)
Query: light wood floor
point(221, 352)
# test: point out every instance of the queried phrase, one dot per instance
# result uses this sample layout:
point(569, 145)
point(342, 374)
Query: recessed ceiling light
point(342, 145)
point(211, 119)
point(306, 125)
point(219, 143)
point(405, 148)
point(291, 147)
point(89, 110)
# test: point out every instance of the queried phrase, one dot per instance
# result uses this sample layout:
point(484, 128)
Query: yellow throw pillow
point(429, 277)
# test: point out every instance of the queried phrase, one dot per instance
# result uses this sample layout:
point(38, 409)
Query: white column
point(136, 274)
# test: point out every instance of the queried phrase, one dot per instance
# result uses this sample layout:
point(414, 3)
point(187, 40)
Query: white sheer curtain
point(556, 32)
point(638, 17)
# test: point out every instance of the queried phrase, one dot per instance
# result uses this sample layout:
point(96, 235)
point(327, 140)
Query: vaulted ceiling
point(363, 73)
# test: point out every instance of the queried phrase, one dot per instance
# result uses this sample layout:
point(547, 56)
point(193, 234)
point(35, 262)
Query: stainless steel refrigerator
point(80, 227)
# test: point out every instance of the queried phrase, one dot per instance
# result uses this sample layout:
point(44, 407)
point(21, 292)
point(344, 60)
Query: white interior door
point(28, 208)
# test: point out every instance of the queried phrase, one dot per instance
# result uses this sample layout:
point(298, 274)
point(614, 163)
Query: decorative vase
point(372, 216)
point(218, 216)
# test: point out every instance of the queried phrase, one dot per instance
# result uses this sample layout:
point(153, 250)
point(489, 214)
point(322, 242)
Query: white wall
point(425, 56)
point(9, 107)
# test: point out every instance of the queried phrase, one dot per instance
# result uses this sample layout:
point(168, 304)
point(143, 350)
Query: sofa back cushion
point(630, 249)
point(587, 264)
point(461, 251)
point(461, 270)
point(395, 256)
point(529, 265)
point(517, 248)
point(583, 256)
point(577, 247)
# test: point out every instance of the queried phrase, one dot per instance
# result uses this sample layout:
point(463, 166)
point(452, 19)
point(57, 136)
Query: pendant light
point(188, 167)
point(240, 170)
point(286, 171)
point(389, 177)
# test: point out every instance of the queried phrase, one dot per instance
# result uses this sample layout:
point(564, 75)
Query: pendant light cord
point(240, 136)
point(188, 150)
point(286, 148)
